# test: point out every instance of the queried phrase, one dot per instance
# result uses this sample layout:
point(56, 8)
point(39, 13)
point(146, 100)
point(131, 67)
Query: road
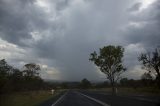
point(80, 98)
point(73, 98)
point(122, 100)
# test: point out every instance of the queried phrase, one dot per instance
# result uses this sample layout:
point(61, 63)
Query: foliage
point(85, 84)
point(151, 61)
point(124, 82)
point(102, 84)
point(13, 79)
point(31, 70)
point(146, 76)
point(5, 72)
point(143, 82)
point(147, 79)
point(109, 60)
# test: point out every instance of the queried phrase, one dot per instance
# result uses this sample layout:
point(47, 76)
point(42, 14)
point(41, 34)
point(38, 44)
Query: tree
point(31, 76)
point(13, 79)
point(85, 83)
point(146, 78)
point(109, 61)
point(124, 82)
point(31, 69)
point(101, 84)
point(5, 69)
point(151, 62)
point(64, 85)
point(5, 72)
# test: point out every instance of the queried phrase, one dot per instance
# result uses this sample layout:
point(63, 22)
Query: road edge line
point(96, 100)
point(135, 98)
point(59, 99)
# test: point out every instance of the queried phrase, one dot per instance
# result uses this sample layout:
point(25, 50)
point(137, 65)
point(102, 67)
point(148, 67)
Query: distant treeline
point(27, 79)
point(13, 79)
point(145, 81)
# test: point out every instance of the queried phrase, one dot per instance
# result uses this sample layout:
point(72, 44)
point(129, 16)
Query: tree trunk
point(158, 77)
point(113, 88)
point(158, 81)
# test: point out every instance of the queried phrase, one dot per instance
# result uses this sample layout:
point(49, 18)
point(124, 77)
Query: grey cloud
point(148, 32)
point(61, 4)
point(83, 34)
point(77, 30)
point(18, 19)
point(135, 7)
point(144, 34)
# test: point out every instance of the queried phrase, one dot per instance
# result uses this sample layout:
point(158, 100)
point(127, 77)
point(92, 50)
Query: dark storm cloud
point(62, 33)
point(135, 7)
point(147, 32)
point(83, 34)
point(18, 19)
point(13, 27)
point(61, 4)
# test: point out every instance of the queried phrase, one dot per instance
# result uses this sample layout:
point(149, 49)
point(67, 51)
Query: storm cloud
point(60, 34)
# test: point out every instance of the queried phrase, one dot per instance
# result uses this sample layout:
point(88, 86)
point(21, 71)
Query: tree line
point(109, 61)
point(145, 81)
point(14, 79)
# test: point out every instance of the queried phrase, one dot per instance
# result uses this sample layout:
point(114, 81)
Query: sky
point(59, 35)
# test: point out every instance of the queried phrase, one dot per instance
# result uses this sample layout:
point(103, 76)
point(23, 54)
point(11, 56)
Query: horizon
point(59, 35)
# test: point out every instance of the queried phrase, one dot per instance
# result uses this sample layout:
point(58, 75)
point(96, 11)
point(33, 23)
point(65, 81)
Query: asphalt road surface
point(80, 98)
point(123, 100)
point(73, 98)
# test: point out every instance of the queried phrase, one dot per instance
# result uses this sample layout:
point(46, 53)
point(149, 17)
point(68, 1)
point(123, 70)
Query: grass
point(140, 91)
point(132, 91)
point(32, 98)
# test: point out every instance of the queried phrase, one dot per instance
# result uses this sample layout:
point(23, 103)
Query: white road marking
point(98, 101)
point(59, 99)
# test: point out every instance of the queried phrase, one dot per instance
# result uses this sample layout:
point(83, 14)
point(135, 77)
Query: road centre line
point(96, 100)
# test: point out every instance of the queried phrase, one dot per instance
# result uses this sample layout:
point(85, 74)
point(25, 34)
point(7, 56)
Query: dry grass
point(26, 98)
point(140, 91)
point(132, 91)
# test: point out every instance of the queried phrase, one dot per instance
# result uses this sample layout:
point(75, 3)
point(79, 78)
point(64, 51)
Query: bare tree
point(151, 62)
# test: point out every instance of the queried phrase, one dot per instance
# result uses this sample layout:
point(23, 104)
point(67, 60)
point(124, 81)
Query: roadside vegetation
point(25, 87)
point(109, 61)
point(29, 98)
